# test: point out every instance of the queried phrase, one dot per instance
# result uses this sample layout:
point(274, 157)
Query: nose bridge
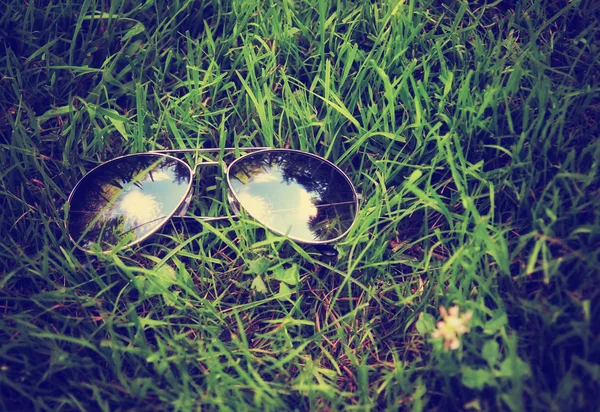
point(210, 150)
point(221, 170)
point(210, 163)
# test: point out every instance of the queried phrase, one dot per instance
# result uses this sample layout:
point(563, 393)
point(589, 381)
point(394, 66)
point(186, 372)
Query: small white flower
point(452, 327)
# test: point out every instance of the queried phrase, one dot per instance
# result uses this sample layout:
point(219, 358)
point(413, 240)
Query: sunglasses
point(122, 202)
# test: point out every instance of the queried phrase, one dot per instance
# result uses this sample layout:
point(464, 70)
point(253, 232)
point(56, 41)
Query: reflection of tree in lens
point(248, 170)
point(331, 221)
point(181, 171)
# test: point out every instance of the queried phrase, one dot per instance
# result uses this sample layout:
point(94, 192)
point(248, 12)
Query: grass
point(470, 129)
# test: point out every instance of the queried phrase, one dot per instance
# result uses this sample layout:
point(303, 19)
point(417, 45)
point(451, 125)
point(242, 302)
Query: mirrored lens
point(294, 193)
point(124, 200)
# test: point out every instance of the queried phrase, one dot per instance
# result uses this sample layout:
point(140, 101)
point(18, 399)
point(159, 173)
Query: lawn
point(470, 129)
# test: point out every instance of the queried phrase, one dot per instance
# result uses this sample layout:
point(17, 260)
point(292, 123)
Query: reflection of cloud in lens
point(160, 175)
point(256, 206)
point(139, 208)
point(306, 209)
point(266, 178)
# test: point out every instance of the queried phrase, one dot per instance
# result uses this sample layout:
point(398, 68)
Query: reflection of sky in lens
point(286, 206)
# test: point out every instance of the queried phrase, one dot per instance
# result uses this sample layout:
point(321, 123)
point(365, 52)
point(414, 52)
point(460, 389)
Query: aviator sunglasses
point(122, 202)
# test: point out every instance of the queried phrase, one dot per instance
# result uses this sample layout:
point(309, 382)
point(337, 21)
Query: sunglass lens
point(124, 200)
point(294, 193)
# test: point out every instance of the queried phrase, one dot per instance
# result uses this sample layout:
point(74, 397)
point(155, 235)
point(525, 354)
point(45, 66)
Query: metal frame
point(167, 154)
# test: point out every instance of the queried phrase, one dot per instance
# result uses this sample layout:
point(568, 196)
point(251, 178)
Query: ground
point(470, 129)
